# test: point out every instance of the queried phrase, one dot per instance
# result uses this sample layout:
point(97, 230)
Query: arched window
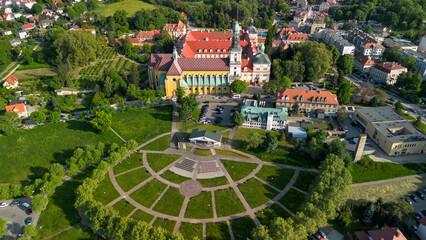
point(174, 80)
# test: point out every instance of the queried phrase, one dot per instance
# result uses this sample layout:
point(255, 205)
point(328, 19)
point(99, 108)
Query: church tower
point(235, 53)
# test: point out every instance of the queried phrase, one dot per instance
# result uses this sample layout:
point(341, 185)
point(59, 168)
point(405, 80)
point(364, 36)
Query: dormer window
point(217, 50)
point(199, 50)
point(205, 50)
point(325, 99)
point(211, 50)
point(224, 50)
point(245, 69)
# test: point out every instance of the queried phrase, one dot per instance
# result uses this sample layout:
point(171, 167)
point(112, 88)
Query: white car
point(4, 204)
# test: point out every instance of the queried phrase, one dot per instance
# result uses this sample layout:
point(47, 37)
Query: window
point(174, 80)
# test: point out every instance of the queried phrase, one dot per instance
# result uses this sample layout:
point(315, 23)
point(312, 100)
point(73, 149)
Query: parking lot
point(222, 118)
point(15, 217)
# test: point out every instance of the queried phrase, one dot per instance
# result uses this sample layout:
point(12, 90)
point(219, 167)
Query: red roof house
point(385, 233)
point(11, 82)
point(20, 109)
point(27, 27)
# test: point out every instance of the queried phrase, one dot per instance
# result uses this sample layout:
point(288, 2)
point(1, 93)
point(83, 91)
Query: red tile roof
point(12, 80)
point(245, 63)
point(164, 62)
point(285, 31)
point(208, 47)
point(174, 69)
point(195, 36)
point(134, 40)
point(370, 45)
point(307, 96)
point(389, 66)
point(28, 25)
point(365, 60)
point(174, 26)
point(149, 34)
point(386, 233)
point(297, 37)
point(16, 108)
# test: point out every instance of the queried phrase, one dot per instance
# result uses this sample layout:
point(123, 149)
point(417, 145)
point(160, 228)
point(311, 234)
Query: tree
point(39, 202)
point(253, 141)
point(238, 86)
point(260, 233)
point(134, 74)
point(270, 143)
point(335, 53)
point(238, 118)
point(3, 225)
point(295, 108)
point(338, 148)
point(93, 4)
point(9, 122)
point(368, 29)
point(342, 114)
point(30, 231)
point(185, 113)
point(180, 93)
point(398, 106)
point(314, 149)
point(287, 229)
point(27, 54)
point(418, 121)
point(165, 42)
point(36, 9)
point(102, 121)
point(409, 81)
point(54, 117)
point(316, 58)
point(345, 64)
point(38, 117)
point(64, 73)
point(344, 92)
point(294, 70)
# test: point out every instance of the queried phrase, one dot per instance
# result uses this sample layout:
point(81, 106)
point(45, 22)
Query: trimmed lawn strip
point(134, 161)
point(304, 180)
point(242, 227)
point(218, 231)
point(147, 194)
point(268, 214)
point(200, 206)
point(173, 177)
point(159, 161)
point(123, 207)
point(129, 180)
point(228, 153)
point(167, 225)
point(238, 170)
point(160, 144)
point(170, 203)
point(156, 121)
point(142, 216)
point(27, 154)
point(283, 154)
point(191, 230)
point(203, 153)
point(256, 193)
point(105, 192)
point(213, 182)
point(276, 176)
point(293, 200)
point(227, 203)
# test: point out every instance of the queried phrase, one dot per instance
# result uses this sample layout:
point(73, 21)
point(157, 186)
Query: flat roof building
point(264, 118)
point(402, 43)
point(420, 59)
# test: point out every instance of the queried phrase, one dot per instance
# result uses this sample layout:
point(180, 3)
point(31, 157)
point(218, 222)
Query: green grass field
point(304, 180)
point(191, 230)
point(142, 216)
point(173, 177)
point(293, 200)
point(238, 170)
point(276, 176)
point(123, 207)
point(217, 231)
point(186, 127)
point(256, 193)
point(170, 203)
point(159, 161)
point(147, 194)
point(168, 225)
point(134, 161)
point(200, 206)
point(242, 227)
point(130, 6)
point(80, 233)
point(268, 214)
point(227, 203)
point(105, 192)
point(228, 153)
point(213, 182)
point(156, 121)
point(203, 153)
point(27, 154)
point(34, 73)
point(131, 179)
point(160, 144)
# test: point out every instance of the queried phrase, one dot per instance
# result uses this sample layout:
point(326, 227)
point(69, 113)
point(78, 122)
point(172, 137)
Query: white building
point(420, 59)
point(206, 138)
point(387, 72)
point(365, 43)
point(21, 34)
point(264, 118)
point(331, 37)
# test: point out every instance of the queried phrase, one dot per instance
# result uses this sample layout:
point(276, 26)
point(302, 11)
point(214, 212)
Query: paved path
point(388, 180)
point(18, 65)
point(118, 135)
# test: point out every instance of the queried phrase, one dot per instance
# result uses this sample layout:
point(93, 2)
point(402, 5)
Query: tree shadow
point(36, 172)
point(81, 125)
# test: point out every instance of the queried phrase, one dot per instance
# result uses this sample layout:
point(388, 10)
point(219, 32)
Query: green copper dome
point(236, 27)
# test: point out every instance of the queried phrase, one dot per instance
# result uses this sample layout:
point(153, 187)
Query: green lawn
point(33, 66)
point(227, 203)
point(186, 127)
point(203, 153)
point(238, 170)
point(293, 200)
point(123, 207)
point(276, 176)
point(228, 153)
point(27, 154)
point(168, 225)
point(160, 144)
point(170, 203)
point(283, 154)
point(217, 231)
point(368, 170)
point(34, 73)
point(173, 177)
point(407, 116)
point(213, 182)
point(304, 180)
point(268, 214)
point(191, 230)
point(80, 233)
point(130, 6)
point(130, 180)
point(60, 213)
point(134, 161)
point(105, 192)
point(147, 194)
point(143, 124)
point(256, 193)
point(142, 216)
point(159, 161)
point(200, 206)
point(242, 227)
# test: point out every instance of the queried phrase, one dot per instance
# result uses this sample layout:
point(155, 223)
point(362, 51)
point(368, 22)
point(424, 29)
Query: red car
point(221, 107)
point(29, 211)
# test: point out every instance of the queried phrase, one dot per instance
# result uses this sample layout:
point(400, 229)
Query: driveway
point(331, 233)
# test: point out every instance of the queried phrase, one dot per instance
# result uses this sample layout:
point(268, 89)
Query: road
point(18, 65)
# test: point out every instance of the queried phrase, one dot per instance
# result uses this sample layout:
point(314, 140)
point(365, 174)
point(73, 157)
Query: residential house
point(56, 2)
point(8, 10)
point(14, 42)
point(324, 6)
point(365, 43)
point(295, 24)
point(18, 100)
point(420, 59)
point(6, 33)
point(387, 72)
point(148, 36)
point(27, 27)
point(8, 17)
point(93, 31)
point(283, 32)
point(264, 118)
point(20, 109)
point(176, 30)
point(205, 137)
point(21, 34)
point(317, 24)
point(308, 100)
point(364, 63)
point(7, 3)
point(45, 23)
point(384, 233)
point(331, 37)
point(302, 17)
point(11, 82)
point(295, 37)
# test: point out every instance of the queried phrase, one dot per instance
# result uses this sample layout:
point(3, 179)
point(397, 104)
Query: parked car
point(353, 124)
point(318, 236)
point(236, 96)
point(415, 199)
point(424, 212)
point(15, 203)
point(418, 216)
point(322, 233)
point(414, 227)
point(222, 107)
point(28, 220)
point(408, 200)
point(4, 204)
point(24, 204)
point(346, 129)
point(29, 211)
point(421, 195)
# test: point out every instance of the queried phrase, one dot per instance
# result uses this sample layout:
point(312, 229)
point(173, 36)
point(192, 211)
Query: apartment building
point(364, 43)
point(420, 59)
point(330, 37)
point(308, 100)
point(363, 63)
point(387, 72)
point(264, 118)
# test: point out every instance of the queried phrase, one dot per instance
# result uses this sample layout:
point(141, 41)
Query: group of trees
point(238, 86)
point(255, 142)
point(188, 104)
point(372, 96)
point(146, 20)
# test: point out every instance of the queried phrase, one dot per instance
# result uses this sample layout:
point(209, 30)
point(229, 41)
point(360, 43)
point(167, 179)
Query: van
point(236, 96)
